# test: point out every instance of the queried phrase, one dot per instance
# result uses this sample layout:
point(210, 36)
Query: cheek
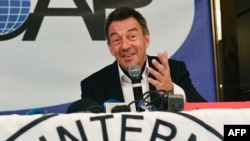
point(113, 51)
point(143, 47)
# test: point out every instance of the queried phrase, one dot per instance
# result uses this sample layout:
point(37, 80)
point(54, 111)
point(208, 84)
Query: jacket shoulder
point(102, 74)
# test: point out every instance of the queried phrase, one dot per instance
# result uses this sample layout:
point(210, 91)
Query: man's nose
point(125, 44)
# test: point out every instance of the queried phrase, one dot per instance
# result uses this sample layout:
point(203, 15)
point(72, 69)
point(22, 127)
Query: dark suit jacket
point(105, 83)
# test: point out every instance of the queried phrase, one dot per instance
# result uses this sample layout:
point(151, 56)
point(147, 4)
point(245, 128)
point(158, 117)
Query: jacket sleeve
point(181, 76)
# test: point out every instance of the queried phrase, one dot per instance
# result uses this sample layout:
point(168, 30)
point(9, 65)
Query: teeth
point(127, 55)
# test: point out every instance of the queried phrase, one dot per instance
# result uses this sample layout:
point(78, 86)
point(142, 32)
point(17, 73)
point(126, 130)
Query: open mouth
point(128, 55)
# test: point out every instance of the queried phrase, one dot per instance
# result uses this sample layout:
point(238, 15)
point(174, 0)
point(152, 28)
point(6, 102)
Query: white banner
point(195, 125)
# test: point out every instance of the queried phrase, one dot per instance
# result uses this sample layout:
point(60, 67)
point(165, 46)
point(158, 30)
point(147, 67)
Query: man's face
point(127, 42)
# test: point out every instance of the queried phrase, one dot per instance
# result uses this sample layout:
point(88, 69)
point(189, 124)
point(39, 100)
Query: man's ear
point(147, 38)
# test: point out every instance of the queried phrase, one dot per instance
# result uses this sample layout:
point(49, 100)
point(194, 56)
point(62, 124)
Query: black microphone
point(115, 106)
point(167, 101)
point(135, 74)
point(121, 108)
point(85, 105)
point(172, 102)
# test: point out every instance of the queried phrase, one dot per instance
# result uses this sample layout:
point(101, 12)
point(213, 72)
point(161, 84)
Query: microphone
point(85, 105)
point(172, 102)
point(115, 106)
point(168, 102)
point(120, 108)
point(135, 74)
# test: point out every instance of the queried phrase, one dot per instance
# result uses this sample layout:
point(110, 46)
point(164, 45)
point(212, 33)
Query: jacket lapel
point(113, 84)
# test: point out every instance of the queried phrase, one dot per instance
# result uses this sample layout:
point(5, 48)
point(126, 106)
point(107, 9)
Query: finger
point(153, 82)
point(163, 57)
point(155, 73)
point(160, 68)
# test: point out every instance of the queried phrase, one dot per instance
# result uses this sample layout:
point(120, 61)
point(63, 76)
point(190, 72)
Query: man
point(128, 38)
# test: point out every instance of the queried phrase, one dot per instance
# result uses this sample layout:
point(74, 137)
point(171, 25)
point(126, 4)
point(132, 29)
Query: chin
point(128, 63)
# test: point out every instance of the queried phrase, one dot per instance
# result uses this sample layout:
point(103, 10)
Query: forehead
point(124, 26)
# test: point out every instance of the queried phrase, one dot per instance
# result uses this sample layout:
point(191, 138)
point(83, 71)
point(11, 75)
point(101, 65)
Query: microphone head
point(85, 105)
point(120, 108)
point(134, 71)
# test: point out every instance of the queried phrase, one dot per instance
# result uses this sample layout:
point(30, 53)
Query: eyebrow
point(132, 29)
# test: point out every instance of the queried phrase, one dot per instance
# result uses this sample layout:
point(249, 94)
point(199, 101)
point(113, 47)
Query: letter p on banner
point(237, 132)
